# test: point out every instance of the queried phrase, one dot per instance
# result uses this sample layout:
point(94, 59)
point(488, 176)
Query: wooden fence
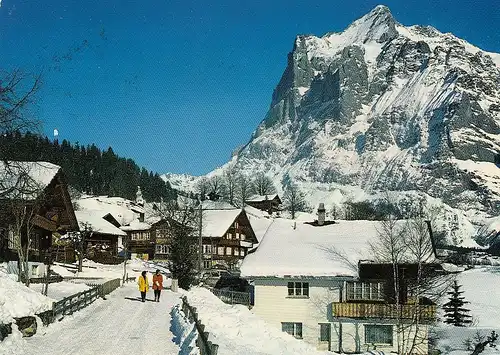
point(232, 297)
point(44, 280)
point(206, 346)
point(76, 302)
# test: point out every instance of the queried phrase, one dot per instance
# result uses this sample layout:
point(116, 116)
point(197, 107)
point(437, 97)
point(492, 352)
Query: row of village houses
point(110, 222)
point(316, 280)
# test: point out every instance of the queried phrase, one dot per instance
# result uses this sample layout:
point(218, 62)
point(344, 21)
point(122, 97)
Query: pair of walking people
point(144, 285)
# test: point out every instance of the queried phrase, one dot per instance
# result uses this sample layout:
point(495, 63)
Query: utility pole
point(200, 252)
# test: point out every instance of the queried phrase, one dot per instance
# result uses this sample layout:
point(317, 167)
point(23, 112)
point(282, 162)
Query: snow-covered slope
point(385, 107)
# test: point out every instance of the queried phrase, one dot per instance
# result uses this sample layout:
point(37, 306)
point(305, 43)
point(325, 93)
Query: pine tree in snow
point(454, 312)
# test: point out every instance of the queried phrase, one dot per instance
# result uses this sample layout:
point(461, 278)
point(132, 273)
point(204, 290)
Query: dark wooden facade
point(160, 234)
point(51, 211)
point(140, 242)
point(374, 294)
point(231, 247)
point(269, 205)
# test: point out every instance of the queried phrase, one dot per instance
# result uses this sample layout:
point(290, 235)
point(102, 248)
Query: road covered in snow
point(121, 324)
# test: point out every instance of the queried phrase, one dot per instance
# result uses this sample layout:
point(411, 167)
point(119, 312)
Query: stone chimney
point(321, 214)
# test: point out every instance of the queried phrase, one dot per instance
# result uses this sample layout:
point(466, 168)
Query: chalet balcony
point(381, 310)
point(229, 243)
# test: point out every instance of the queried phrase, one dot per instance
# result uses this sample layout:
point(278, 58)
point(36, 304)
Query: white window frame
point(298, 289)
point(364, 291)
point(207, 249)
point(162, 249)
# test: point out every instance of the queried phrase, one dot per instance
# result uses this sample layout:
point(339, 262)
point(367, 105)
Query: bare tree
point(184, 228)
point(407, 244)
point(23, 214)
point(263, 185)
point(244, 189)
point(79, 240)
point(293, 200)
point(17, 93)
point(21, 197)
point(216, 187)
point(202, 188)
point(230, 183)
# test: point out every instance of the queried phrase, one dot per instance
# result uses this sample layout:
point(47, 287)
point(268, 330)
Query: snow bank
point(17, 300)
point(185, 332)
point(60, 290)
point(480, 286)
point(238, 331)
point(13, 344)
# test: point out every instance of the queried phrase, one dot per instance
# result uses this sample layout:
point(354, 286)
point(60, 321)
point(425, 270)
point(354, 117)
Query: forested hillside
point(88, 168)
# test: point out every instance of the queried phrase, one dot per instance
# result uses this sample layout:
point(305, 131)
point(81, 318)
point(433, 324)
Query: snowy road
point(119, 325)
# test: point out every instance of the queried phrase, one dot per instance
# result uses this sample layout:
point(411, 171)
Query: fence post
point(175, 285)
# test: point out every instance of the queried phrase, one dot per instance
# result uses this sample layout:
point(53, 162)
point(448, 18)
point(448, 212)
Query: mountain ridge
point(384, 107)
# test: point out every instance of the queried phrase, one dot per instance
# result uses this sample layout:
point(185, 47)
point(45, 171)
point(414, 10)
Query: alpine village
point(362, 217)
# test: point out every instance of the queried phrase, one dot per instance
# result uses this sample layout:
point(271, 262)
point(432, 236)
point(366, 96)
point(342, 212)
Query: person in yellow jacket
point(143, 285)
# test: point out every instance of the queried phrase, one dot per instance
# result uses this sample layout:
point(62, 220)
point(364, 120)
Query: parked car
point(232, 283)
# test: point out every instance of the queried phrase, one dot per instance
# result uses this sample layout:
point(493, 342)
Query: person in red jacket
point(157, 285)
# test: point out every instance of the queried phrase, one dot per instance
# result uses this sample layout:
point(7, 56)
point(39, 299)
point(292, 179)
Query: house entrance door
point(325, 336)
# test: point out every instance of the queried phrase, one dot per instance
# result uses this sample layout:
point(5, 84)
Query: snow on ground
point(121, 324)
point(238, 331)
point(60, 290)
point(95, 270)
point(481, 287)
point(17, 300)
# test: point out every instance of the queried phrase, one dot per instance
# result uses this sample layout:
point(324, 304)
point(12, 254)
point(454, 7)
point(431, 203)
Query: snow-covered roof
point(136, 225)
point(97, 223)
point(118, 207)
point(216, 222)
point(208, 204)
point(260, 198)
point(26, 180)
point(326, 251)
point(260, 225)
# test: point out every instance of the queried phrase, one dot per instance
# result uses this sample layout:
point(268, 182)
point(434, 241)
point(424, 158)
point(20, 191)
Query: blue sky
point(178, 85)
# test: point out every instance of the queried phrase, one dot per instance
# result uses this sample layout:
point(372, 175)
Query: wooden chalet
point(33, 195)
point(160, 233)
point(268, 203)
point(227, 236)
point(139, 240)
point(104, 237)
point(373, 295)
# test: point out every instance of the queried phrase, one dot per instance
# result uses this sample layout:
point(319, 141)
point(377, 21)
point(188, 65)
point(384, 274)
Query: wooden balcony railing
point(380, 310)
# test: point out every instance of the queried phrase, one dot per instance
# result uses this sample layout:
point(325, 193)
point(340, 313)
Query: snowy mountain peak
point(378, 25)
point(382, 106)
point(385, 107)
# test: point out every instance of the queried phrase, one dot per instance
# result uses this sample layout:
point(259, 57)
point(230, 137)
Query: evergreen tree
point(454, 312)
point(88, 169)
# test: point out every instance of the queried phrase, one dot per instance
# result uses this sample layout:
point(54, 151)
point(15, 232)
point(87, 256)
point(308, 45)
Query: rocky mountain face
point(385, 107)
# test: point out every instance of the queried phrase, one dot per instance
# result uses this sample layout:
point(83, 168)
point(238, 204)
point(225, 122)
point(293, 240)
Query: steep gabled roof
point(98, 224)
point(217, 222)
point(25, 180)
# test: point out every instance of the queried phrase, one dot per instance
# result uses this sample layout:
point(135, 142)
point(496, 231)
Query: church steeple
point(138, 197)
